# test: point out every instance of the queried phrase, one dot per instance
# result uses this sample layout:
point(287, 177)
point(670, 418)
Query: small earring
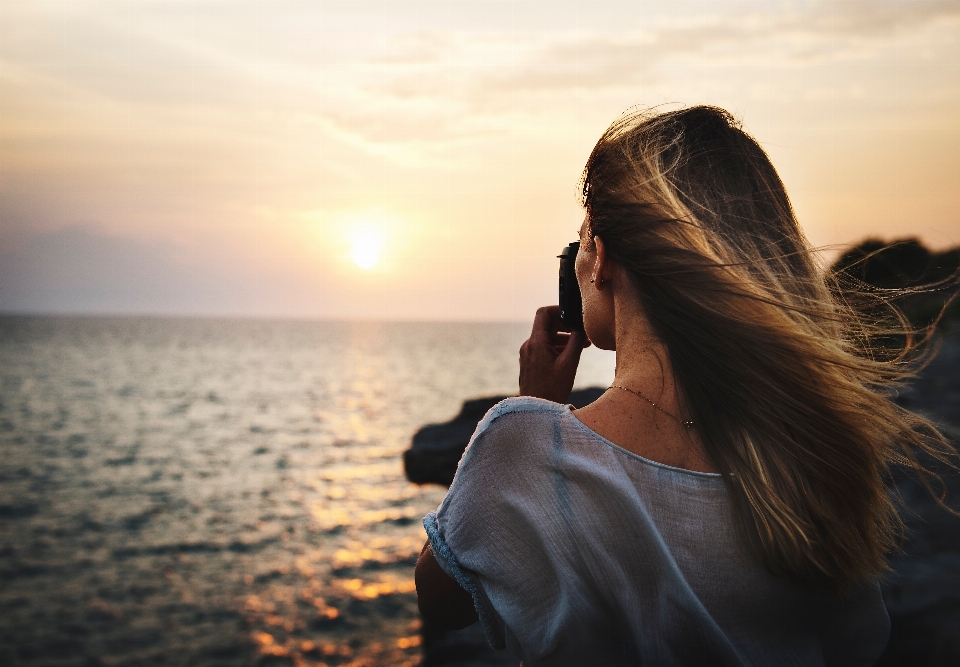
point(591, 281)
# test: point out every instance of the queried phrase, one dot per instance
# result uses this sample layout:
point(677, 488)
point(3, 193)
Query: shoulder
point(495, 528)
point(522, 408)
point(513, 429)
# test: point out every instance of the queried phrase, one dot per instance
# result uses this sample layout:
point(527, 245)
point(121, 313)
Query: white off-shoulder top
point(579, 552)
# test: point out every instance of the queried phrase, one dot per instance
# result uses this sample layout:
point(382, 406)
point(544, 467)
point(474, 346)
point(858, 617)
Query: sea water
point(229, 492)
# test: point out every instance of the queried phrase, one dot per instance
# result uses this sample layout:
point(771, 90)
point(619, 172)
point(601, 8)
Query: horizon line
point(4, 314)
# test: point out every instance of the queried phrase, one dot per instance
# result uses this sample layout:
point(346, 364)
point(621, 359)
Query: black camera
point(571, 305)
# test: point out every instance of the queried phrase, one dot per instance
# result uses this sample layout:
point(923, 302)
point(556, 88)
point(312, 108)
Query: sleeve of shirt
point(500, 532)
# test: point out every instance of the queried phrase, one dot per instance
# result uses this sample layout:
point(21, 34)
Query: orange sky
point(237, 158)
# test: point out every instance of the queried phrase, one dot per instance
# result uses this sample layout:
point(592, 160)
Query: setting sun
point(366, 244)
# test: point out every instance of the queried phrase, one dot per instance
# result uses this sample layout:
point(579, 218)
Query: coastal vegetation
point(901, 276)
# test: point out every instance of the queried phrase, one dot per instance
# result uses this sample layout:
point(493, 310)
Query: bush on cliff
point(930, 281)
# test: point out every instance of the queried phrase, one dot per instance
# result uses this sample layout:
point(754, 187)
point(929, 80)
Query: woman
point(724, 502)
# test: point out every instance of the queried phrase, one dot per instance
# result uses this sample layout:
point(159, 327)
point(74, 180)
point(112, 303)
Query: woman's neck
point(629, 417)
point(643, 361)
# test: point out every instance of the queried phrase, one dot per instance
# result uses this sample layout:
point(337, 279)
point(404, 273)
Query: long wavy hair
point(792, 401)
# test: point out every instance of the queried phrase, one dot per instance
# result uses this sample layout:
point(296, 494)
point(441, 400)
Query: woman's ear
point(601, 267)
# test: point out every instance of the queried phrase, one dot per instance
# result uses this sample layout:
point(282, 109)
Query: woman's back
point(733, 355)
point(580, 552)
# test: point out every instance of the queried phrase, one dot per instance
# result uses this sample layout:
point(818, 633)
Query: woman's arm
point(548, 365)
point(440, 598)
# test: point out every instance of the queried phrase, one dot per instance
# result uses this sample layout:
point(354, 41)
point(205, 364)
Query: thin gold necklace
point(669, 414)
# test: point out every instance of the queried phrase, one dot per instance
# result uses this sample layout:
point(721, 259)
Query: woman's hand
point(549, 358)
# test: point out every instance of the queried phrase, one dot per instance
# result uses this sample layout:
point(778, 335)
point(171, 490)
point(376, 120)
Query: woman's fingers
point(560, 340)
point(548, 328)
point(547, 322)
point(549, 358)
point(576, 343)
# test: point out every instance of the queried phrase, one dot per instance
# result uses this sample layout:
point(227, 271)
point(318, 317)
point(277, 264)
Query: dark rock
point(930, 280)
point(436, 449)
point(922, 593)
point(900, 263)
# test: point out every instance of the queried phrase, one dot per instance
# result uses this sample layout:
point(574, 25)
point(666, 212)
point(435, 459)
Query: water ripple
point(222, 492)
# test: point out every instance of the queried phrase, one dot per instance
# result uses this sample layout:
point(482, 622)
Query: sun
point(366, 245)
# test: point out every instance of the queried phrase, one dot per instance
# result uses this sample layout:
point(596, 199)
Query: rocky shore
point(436, 448)
point(922, 591)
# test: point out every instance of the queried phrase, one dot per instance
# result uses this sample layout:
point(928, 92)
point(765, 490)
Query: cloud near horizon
point(77, 270)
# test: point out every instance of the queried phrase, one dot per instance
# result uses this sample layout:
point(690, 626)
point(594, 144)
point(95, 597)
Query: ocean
point(225, 492)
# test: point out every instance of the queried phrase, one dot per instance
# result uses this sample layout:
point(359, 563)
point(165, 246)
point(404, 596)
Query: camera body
point(571, 303)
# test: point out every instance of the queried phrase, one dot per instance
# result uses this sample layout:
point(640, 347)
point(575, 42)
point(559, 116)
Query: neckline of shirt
point(650, 462)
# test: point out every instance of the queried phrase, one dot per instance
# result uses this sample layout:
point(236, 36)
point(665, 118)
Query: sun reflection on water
point(200, 492)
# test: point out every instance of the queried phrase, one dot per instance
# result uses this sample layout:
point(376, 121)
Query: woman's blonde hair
point(791, 403)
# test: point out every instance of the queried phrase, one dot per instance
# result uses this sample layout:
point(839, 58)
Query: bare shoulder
point(645, 431)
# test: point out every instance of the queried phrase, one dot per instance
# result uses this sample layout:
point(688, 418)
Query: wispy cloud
point(411, 90)
point(437, 87)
